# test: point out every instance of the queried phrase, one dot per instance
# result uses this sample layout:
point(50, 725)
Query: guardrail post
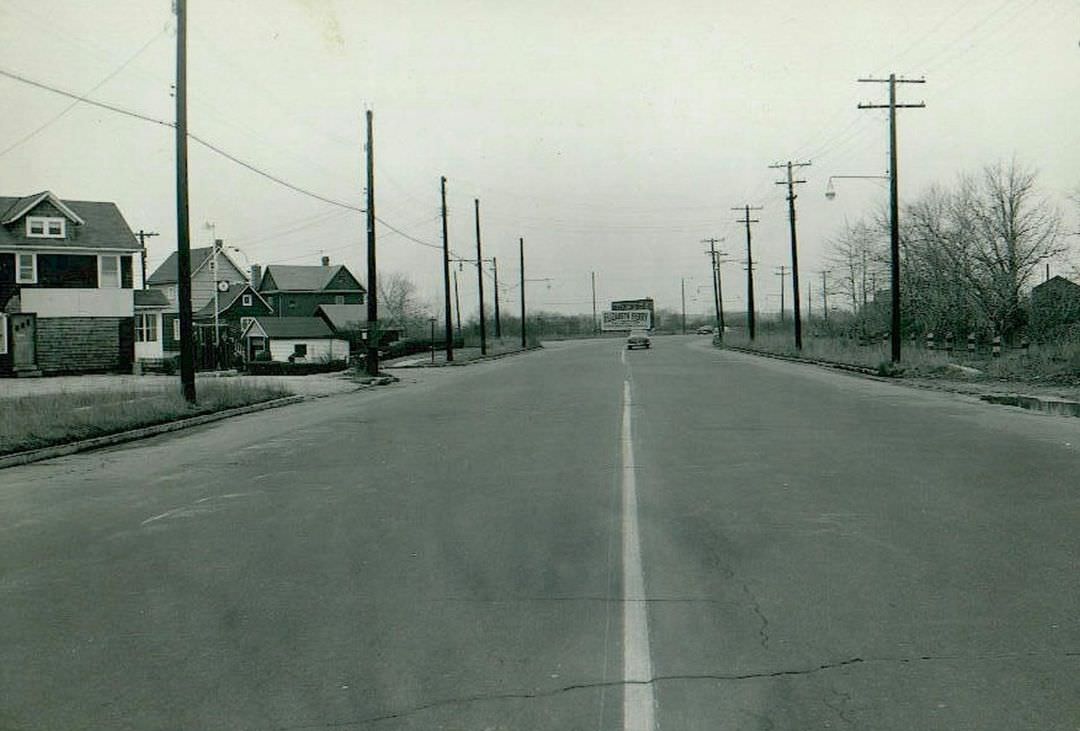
point(948, 342)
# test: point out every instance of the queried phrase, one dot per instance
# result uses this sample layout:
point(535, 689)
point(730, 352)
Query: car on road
point(704, 330)
point(638, 339)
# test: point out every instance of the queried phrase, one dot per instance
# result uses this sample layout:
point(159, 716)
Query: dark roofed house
point(350, 322)
point(293, 338)
point(204, 280)
point(295, 291)
point(1055, 309)
point(66, 286)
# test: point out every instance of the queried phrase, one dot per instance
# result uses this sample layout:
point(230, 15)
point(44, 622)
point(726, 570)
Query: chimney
point(326, 261)
point(256, 275)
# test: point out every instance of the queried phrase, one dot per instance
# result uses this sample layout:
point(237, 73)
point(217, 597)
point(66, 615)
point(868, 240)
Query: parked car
point(638, 339)
point(704, 330)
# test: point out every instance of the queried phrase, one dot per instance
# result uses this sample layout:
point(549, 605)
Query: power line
point(205, 143)
point(76, 102)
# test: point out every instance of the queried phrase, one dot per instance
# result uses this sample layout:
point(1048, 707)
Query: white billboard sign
point(623, 320)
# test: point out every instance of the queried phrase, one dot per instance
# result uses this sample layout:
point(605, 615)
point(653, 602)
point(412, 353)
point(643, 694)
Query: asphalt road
point(577, 538)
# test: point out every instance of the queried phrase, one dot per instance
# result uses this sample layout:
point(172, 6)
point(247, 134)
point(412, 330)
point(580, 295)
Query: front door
point(23, 341)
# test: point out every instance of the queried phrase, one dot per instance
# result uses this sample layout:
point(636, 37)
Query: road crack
point(755, 606)
point(683, 677)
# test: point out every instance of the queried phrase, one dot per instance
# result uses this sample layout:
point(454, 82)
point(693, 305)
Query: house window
point(176, 329)
point(3, 334)
point(27, 273)
point(171, 294)
point(244, 322)
point(300, 350)
point(109, 272)
point(247, 300)
point(146, 328)
point(339, 299)
point(41, 227)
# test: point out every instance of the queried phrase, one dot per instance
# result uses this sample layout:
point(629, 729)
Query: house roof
point(27, 203)
point(298, 278)
point(1057, 282)
point(295, 327)
point(97, 223)
point(227, 299)
point(166, 273)
point(344, 317)
point(150, 298)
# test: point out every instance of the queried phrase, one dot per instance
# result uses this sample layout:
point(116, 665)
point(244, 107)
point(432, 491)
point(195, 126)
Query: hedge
point(278, 368)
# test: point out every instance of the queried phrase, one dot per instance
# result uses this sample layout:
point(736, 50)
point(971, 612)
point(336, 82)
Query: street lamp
point(830, 190)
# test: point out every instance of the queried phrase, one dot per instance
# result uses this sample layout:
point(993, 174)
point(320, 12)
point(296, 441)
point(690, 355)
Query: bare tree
point(401, 303)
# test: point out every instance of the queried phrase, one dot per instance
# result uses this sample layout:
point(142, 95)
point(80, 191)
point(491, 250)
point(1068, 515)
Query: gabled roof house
point(295, 291)
point(66, 286)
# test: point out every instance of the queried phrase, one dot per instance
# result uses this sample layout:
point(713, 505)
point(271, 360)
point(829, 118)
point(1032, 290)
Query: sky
point(614, 137)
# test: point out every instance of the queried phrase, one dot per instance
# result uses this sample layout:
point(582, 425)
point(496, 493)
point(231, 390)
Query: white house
point(296, 339)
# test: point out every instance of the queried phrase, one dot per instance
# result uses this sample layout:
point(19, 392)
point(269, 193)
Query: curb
point(108, 440)
point(481, 359)
point(1054, 406)
point(862, 370)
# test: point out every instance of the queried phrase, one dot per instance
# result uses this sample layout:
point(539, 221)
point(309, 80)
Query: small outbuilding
point(292, 340)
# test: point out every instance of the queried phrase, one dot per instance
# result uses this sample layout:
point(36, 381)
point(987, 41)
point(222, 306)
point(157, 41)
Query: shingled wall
point(84, 344)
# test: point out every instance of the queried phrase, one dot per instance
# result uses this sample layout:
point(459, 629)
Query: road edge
point(108, 440)
point(1025, 402)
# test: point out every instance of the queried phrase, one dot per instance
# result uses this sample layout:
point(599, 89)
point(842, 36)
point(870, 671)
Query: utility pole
point(593, 277)
point(749, 265)
point(372, 278)
point(446, 277)
point(782, 273)
point(712, 252)
point(183, 232)
point(682, 288)
point(214, 264)
point(498, 320)
point(143, 236)
point(521, 255)
point(480, 279)
point(825, 293)
point(457, 305)
point(894, 195)
point(791, 182)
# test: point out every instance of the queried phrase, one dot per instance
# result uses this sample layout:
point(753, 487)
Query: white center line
point(639, 701)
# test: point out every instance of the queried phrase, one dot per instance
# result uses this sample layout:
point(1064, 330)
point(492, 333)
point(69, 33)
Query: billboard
point(642, 304)
point(623, 320)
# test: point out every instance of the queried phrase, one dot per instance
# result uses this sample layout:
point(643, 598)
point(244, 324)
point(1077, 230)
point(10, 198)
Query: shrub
point(277, 368)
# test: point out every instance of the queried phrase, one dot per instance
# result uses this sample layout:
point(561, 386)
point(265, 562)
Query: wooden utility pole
point(749, 265)
point(480, 280)
point(682, 289)
point(782, 274)
point(594, 324)
point(825, 294)
point(183, 233)
point(446, 277)
point(143, 236)
point(373, 334)
point(521, 255)
point(498, 320)
point(457, 305)
point(894, 199)
point(712, 252)
point(791, 183)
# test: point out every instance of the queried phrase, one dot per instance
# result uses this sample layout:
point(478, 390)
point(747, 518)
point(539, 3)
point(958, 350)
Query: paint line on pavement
point(639, 701)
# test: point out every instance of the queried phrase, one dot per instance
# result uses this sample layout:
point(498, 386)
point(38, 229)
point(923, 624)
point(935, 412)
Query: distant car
point(638, 339)
point(704, 330)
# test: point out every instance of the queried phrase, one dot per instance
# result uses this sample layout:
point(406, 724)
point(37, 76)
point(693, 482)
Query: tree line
point(970, 253)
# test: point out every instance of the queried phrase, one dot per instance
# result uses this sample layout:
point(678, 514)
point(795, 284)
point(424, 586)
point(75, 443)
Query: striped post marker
point(996, 348)
point(948, 342)
point(929, 341)
point(971, 343)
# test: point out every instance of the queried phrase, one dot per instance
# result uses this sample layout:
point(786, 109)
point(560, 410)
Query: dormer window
point(43, 227)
